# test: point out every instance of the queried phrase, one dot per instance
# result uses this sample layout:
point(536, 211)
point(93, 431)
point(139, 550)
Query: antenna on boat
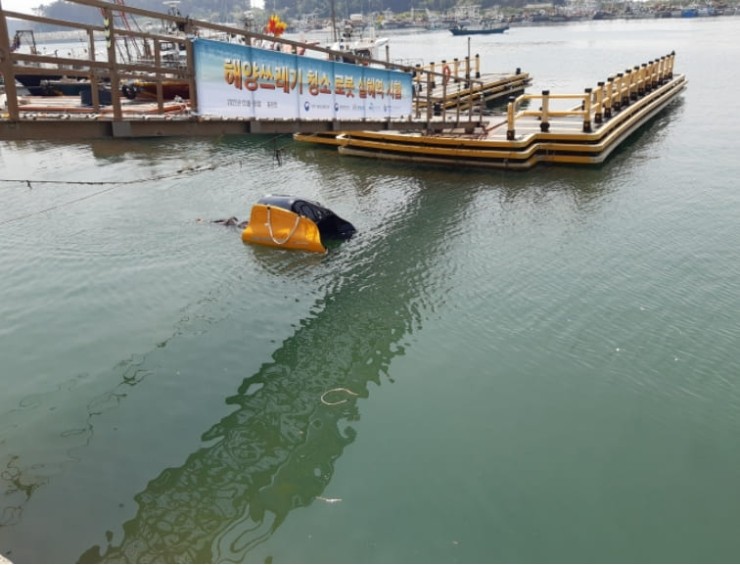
point(333, 22)
point(467, 67)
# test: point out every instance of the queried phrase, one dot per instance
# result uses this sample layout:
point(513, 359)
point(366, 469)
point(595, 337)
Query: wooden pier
point(583, 134)
point(441, 98)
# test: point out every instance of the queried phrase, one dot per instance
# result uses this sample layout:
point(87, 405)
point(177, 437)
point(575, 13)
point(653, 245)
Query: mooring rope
point(272, 235)
point(115, 185)
point(277, 156)
point(177, 173)
point(340, 389)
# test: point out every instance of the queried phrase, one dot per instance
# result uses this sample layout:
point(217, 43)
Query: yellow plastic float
point(293, 223)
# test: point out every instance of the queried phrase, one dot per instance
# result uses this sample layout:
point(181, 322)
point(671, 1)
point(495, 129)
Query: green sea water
point(500, 367)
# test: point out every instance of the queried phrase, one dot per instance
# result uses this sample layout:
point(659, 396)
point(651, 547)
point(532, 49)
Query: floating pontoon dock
point(584, 134)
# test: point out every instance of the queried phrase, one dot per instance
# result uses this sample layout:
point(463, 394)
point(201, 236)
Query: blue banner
point(234, 80)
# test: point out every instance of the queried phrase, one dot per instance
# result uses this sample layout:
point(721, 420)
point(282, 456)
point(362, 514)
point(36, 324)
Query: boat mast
point(334, 22)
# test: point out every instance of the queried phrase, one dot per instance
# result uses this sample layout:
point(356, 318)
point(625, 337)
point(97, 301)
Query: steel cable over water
point(112, 185)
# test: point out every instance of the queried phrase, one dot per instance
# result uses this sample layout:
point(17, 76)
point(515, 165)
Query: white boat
point(358, 45)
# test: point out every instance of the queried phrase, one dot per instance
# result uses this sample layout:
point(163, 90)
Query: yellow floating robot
point(288, 222)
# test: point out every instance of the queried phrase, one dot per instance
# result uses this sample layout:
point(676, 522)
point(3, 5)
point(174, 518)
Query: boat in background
point(359, 45)
point(141, 89)
point(37, 84)
point(483, 27)
point(63, 86)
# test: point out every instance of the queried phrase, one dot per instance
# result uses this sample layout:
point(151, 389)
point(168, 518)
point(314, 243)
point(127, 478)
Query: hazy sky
point(24, 6)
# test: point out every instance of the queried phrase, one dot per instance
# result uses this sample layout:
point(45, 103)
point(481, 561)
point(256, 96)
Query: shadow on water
point(291, 420)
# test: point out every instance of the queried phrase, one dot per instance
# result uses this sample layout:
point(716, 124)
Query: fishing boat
point(36, 83)
point(483, 27)
point(60, 87)
point(141, 89)
point(357, 45)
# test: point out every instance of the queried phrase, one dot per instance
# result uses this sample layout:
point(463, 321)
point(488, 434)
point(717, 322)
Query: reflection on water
point(276, 451)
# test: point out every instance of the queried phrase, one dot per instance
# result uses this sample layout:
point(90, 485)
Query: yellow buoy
point(291, 223)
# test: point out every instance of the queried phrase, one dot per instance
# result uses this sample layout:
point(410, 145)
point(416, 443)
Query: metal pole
point(418, 90)
point(333, 22)
point(467, 64)
point(94, 89)
point(6, 68)
point(115, 81)
point(191, 78)
point(457, 106)
point(429, 102)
